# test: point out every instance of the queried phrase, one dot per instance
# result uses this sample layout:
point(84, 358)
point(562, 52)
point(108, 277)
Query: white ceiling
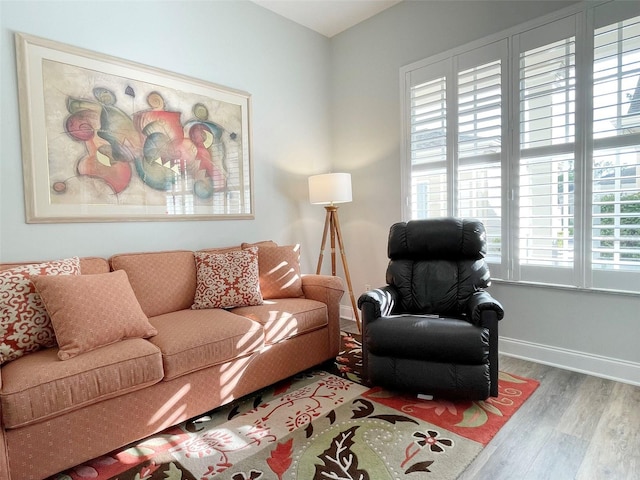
point(328, 17)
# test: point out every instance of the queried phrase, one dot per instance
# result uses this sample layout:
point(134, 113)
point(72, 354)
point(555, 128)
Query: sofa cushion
point(279, 269)
point(88, 265)
point(89, 311)
point(286, 318)
point(39, 386)
point(194, 339)
point(227, 279)
point(25, 325)
point(93, 265)
point(162, 281)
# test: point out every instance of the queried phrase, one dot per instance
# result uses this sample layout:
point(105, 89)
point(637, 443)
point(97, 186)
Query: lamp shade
point(330, 188)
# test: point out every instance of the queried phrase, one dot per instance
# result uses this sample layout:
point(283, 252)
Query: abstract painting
point(105, 139)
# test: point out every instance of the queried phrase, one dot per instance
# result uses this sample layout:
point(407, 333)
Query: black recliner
point(433, 329)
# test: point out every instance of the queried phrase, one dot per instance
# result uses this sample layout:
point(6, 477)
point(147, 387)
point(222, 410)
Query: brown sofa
point(57, 414)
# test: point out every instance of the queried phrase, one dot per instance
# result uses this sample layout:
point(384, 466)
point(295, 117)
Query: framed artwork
point(106, 139)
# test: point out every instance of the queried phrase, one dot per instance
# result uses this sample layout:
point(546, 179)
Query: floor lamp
point(329, 189)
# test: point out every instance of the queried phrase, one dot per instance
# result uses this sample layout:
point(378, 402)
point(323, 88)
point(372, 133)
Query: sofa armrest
point(328, 290)
point(4, 455)
point(313, 284)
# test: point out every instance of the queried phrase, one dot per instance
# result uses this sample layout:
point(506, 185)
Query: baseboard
point(587, 363)
point(599, 366)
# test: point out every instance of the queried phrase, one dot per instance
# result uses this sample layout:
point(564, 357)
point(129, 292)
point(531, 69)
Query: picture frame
point(106, 139)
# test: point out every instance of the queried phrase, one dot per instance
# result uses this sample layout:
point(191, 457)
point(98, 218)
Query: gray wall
point(591, 331)
point(317, 103)
point(284, 66)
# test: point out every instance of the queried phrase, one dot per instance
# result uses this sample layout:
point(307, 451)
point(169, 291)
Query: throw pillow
point(263, 243)
point(279, 269)
point(219, 249)
point(25, 325)
point(90, 311)
point(226, 280)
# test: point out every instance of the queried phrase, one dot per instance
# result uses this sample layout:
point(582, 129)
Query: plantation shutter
point(479, 150)
point(428, 141)
point(547, 153)
point(537, 134)
point(615, 186)
point(455, 145)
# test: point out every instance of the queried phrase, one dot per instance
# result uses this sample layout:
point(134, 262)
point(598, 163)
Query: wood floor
point(574, 426)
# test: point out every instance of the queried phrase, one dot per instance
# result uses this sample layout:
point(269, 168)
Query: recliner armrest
point(382, 300)
point(480, 302)
point(485, 312)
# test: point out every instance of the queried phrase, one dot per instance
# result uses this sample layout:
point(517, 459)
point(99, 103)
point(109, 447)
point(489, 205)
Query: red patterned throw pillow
point(226, 280)
point(25, 325)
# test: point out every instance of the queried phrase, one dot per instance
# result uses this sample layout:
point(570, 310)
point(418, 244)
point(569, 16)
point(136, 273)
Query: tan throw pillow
point(220, 249)
point(226, 280)
point(279, 269)
point(263, 243)
point(90, 311)
point(25, 325)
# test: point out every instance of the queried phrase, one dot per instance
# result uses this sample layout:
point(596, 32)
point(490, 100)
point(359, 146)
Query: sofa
point(141, 343)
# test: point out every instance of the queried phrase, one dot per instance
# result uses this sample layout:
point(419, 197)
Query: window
point(615, 163)
point(479, 146)
point(455, 144)
point(546, 150)
point(536, 132)
point(429, 146)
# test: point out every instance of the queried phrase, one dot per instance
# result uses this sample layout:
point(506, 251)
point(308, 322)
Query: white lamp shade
point(330, 188)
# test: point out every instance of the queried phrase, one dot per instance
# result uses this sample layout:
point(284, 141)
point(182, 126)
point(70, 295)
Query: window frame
point(580, 275)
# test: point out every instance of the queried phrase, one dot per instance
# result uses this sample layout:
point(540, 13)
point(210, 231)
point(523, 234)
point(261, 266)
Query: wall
point(580, 330)
point(282, 65)
point(315, 101)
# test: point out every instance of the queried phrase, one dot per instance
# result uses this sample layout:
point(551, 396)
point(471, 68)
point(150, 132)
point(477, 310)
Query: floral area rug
point(477, 420)
point(319, 425)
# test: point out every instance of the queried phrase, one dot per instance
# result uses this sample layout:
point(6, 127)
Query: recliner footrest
point(440, 380)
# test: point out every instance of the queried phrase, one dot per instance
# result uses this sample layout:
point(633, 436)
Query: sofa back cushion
point(163, 282)
point(88, 265)
point(93, 265)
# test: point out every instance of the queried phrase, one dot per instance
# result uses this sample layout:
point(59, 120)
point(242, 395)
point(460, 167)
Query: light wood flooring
point(574, 426)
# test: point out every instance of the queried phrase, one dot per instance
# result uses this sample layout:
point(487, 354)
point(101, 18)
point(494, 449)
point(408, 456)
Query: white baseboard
point(599, 366)
point(587, 363)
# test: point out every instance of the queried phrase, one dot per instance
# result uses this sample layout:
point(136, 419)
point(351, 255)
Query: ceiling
point(328, 17)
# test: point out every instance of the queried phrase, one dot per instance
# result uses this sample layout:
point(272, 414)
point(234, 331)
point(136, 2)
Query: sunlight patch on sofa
point(171, 405)
point(284, 325)
point(230, 375)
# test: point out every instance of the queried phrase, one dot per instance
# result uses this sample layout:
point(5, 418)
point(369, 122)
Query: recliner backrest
point(437, 264)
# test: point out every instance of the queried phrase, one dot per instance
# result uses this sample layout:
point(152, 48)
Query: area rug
point(475, 420)
point(319, 425)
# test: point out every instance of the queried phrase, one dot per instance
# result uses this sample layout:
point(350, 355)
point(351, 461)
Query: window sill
point(550, 286)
